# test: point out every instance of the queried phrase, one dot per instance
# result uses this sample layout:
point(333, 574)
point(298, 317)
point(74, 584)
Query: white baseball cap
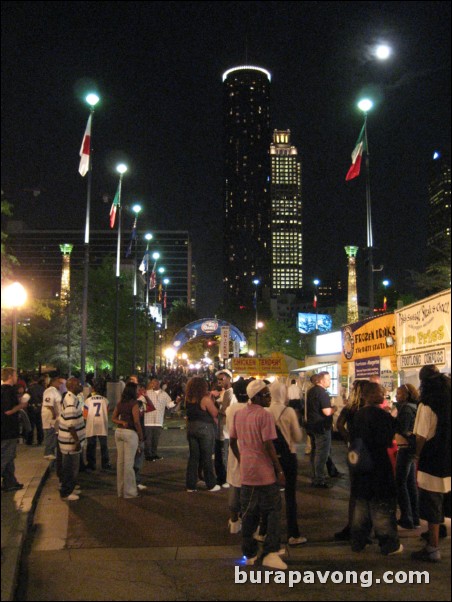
point(255, 387)
point(227, 372)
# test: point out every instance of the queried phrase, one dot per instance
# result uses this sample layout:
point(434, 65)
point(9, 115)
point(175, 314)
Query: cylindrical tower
point(352, 297)
point(246, 142)
point(66, 249)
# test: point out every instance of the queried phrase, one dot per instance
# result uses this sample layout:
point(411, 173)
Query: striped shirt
point(71, 417)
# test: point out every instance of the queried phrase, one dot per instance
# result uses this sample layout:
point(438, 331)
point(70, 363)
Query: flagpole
point(136, 209)
point(370, 242)
point(121, 169)
point(92, 100)
point(146, 350)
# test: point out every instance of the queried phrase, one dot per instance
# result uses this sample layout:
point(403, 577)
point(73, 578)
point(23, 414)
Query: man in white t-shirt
point(95, 412)
point(153, 421)
point(226, 399)
point(50, 411)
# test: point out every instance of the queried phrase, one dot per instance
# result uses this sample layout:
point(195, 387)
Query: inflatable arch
point(206, 327)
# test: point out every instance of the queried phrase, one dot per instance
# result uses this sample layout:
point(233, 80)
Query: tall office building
point(438, 241)
point(247, 135)
point(286, 215)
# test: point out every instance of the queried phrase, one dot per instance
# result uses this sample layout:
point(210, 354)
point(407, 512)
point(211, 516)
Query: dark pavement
point(173, 545)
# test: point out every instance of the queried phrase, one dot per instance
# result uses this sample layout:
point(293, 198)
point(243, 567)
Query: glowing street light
point(137, 210)
point(14, 296)
point(316, 284)
point(383, 52)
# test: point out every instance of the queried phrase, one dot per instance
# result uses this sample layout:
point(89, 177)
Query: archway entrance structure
point(206, 328)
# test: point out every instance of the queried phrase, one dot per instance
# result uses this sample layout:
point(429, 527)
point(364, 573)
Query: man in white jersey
point(51, 407)
point(153, 421)
point(95, 412)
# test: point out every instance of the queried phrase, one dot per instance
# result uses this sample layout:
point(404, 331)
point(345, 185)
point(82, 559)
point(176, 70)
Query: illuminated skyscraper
point(247, 238)
point(286, 215)
point(352, 297)
point(438, 241)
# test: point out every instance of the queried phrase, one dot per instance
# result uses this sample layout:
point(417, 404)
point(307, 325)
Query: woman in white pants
point(127, 436)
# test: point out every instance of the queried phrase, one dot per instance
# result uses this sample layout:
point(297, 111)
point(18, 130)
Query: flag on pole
point(314, 303)
point(132, 238)
point(164, 301)
point(357, 155)
point(153, 279)
point(85, 149)
point(144, 262)
point(385, 304)
point(160, 293)
point(113, 209)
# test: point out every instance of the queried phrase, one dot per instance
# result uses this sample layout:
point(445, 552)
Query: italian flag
point(357, 155)
point(85, 150)
point(113, 209)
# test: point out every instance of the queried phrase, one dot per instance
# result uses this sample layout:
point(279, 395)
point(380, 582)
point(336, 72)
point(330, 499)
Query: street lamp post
point(121, 169)
point(148, 238)
point(136, 209)
point(161, 271)
point(365, 106)
point(385, 283)
point(256, 283)
point(13, 297)
point(92, 100)
point(316, 302)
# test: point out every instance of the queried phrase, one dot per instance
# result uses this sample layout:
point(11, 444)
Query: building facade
point(247, 206)
point(286, 215)
point(438, 241)
point(40, 267)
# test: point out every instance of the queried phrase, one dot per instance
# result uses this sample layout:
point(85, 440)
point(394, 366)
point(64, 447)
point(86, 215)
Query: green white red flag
point(85, 150)
point(114, 207)
point(357, 156)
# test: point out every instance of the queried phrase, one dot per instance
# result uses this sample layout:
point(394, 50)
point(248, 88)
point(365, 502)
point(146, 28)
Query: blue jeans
point(91, 451)
point(138, 463)
point(50, 442)
point(321, 448)
point(201, 438)
point(8, 456)
point(381, 514)
point(254, 501)
point(407, 494)
point(221, 459)
point(69, 471)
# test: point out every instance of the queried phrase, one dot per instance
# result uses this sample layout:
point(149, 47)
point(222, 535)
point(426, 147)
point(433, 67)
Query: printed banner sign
point(424, 325)
point(261, 365)
point(369, 339)
point(368, 367)
point(224, 343)
point(426, 358)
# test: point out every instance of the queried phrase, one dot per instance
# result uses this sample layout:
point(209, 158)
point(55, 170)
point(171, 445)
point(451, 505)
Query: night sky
point(158, 67)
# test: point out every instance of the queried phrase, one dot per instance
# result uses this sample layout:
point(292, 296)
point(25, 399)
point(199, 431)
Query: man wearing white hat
point(261, 475)
point(226, 398)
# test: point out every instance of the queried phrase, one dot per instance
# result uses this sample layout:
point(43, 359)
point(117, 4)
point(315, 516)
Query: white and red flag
point(357, 156)
point(85, 149)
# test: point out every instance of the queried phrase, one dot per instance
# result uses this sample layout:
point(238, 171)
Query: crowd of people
point(242, 437)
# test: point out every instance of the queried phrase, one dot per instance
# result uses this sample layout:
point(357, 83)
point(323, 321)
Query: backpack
point(281, 447)
point(358, 458)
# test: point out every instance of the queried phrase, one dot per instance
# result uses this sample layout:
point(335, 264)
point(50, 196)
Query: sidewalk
point(17, 512)
point(172, 545)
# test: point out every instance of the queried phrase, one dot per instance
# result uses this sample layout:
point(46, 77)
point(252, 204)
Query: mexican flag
point(114, 207)
point(85, 150)
point(357, 155)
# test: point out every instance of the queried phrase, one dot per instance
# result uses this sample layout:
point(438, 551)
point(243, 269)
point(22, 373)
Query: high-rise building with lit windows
point(286, 215)
point(247, 135)
point(438, 237)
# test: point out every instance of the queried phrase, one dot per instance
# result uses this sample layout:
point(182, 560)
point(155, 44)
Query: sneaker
point(141, 487)
point(154, 458)
point(427, 554)
point(258, 537)
point(343, 535)
point(394, 552)
point(323, 485)
point(216, 488)
point(297, 541)
point(50, 457)
point(281, 552)
point(274, 561)
point(70, 498)
point(225, 485)
point(235, 526)
point(77, 491)
point(191, 490)
point(250, 561)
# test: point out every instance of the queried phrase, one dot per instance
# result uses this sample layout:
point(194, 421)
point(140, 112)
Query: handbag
point(359, 458)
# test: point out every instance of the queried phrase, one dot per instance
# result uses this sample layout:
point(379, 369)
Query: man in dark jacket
point(10, 429)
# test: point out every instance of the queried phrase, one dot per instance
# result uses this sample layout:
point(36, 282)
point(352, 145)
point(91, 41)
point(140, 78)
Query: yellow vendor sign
point(371, 338)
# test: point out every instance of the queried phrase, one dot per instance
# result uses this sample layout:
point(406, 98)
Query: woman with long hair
point(345, 428)
point(128, 436)
point(407, 495)
point(201, 418)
